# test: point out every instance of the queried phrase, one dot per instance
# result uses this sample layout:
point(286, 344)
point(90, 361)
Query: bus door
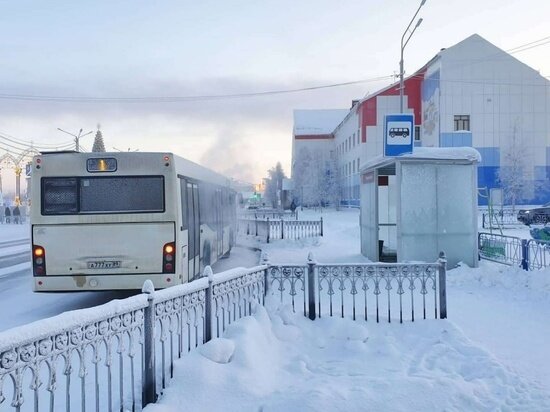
point(194, 229)
point(219, 221)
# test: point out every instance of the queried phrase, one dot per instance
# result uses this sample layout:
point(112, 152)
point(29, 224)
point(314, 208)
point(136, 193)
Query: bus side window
point(183, 190)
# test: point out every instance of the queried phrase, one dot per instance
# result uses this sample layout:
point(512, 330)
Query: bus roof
point(182, 166)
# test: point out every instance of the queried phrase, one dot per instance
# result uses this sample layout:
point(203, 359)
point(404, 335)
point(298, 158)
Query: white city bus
point(105, 221)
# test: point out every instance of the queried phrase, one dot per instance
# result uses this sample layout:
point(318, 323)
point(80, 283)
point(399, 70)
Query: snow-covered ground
point(490, 354)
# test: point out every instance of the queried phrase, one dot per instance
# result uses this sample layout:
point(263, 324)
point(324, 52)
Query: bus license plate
point(104, 264)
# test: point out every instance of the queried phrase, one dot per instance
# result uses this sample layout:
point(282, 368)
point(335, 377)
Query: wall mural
point(430, 108)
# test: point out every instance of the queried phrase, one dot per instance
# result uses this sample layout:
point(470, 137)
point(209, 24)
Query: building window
point(416, 133)
point(462, 122)
point(353, 139)
point(358, 137)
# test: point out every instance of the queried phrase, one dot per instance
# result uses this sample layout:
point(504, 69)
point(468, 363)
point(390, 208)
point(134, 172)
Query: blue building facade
point(475, 94)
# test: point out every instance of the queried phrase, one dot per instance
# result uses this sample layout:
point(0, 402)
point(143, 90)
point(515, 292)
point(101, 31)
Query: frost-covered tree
point(513, 168)
point(302, 176)
point(99, 145)
point(274, 185)
point(316, 178)
point(329, 182)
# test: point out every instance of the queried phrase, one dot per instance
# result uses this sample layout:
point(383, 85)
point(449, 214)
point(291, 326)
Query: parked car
point(538, 215)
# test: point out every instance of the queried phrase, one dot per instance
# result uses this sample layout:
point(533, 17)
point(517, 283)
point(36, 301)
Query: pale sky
point(183, 48)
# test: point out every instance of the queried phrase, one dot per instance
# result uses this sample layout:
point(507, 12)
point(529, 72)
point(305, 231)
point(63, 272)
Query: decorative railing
point(342, 289)
point(537, 254)
point(500, 219)
point(49, 363)
point(500, 248)
point(281, 229)
point(120, 356)
point(233, 296)
point(529, 254)
point(271, 214)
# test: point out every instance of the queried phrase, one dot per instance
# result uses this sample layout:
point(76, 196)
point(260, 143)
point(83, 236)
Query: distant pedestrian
point(7, 213)
point(293, 206)
point(16, 215)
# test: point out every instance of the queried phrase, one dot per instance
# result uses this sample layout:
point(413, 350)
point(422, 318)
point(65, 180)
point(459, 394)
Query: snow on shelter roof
point(313, 122)
point(464, 154)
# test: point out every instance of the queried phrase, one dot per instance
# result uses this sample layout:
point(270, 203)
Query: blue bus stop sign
point(398, 134)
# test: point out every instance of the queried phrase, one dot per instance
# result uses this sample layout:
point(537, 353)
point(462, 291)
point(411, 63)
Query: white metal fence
point(120, 356)
point(270, 229)
point(384, 291)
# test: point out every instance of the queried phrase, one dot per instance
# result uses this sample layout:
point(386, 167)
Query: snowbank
point(281, 361)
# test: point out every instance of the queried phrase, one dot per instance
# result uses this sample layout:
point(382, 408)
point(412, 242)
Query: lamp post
point(76, 137)
point(403, 45)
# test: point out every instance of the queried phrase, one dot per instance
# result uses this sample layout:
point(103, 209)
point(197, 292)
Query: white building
point(471, 94)
point(313, 154)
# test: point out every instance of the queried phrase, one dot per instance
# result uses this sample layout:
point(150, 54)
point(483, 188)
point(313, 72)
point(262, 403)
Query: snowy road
point(13, 257)
point(20, 305)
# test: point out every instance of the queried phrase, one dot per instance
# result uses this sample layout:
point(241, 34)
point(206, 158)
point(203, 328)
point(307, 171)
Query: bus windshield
point(112, 194)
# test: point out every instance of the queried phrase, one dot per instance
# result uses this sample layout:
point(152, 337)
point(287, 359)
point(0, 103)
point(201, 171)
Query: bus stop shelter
point(413, 206)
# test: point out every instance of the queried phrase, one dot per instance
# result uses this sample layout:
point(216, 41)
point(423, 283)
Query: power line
point(174, 99)
point(27, 143)
point(24, 146)
point(536, 43)
point(15, 153)
point(515, 49)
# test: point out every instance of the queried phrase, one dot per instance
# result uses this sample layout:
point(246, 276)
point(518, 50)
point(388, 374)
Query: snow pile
point(527, 284)
point(218, 350)
point(283, 362)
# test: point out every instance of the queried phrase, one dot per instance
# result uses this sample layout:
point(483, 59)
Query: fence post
point(268, 230)
point(524, 254)
point(483, 221)
point(149, 384)
point(321, 226)
point(256, 221)
point(208, 305)
point(311, 285)
point(264, 260)
point(282, 228)
point(442, 285)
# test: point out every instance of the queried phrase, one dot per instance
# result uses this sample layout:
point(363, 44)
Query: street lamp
point(76, 137)
point(403, 45)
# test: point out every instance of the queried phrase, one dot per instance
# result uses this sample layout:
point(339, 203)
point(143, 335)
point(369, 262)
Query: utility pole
point(76, 137)
point(403, 45)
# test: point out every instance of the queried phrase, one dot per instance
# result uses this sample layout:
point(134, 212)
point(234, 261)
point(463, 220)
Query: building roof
point(427, 154)
point(317, 122)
